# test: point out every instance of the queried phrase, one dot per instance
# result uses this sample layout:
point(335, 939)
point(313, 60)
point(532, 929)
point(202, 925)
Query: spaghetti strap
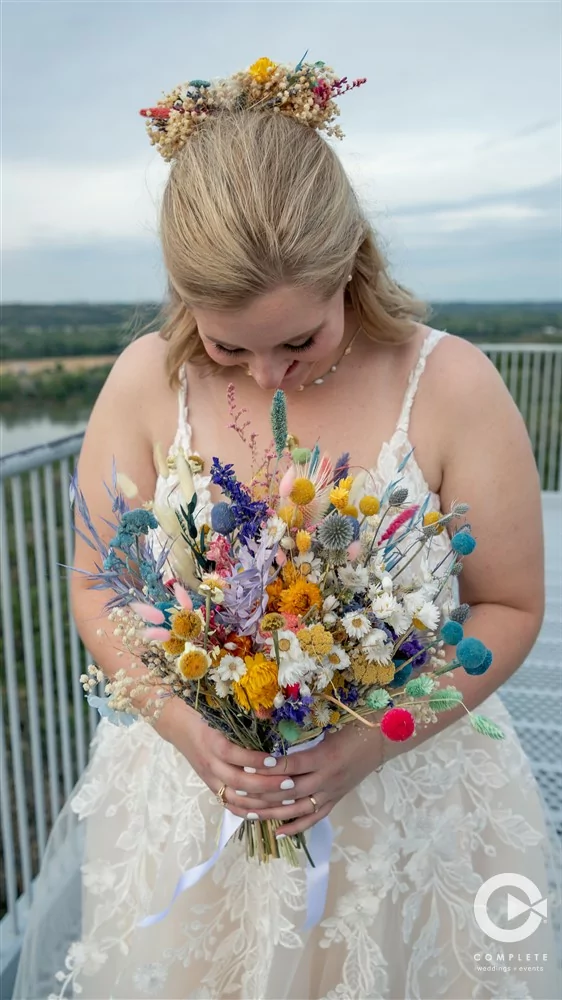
point(430, 341)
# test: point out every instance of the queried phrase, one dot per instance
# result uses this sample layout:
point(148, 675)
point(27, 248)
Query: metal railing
point(533, 375)
point(45, 724)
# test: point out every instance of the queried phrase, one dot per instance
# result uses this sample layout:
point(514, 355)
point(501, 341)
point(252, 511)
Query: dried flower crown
point(304, 92)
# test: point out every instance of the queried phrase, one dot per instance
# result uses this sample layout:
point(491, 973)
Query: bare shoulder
point(141, 363)
point(461, 380)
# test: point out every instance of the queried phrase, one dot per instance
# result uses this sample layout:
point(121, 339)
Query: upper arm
point(119, 432)
point(488, 463)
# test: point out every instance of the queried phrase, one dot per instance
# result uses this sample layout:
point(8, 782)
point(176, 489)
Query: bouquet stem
point(261, 843)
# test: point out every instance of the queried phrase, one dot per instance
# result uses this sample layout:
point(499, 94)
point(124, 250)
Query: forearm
point(510, 633)
point(113, 652)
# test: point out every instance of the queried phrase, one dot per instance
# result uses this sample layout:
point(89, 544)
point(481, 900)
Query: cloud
point(65, 204)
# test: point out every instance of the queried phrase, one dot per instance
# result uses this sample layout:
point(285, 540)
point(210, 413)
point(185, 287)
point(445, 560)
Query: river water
point(25, 430)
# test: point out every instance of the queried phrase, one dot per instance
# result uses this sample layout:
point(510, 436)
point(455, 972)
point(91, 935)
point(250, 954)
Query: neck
point(333, 360)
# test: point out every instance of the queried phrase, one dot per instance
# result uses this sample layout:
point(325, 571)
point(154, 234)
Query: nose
point(268, 372)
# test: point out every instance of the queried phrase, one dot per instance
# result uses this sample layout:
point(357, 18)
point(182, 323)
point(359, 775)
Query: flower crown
point(304, 92)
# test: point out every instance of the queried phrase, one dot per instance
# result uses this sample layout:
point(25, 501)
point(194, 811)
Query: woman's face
point(279, 337)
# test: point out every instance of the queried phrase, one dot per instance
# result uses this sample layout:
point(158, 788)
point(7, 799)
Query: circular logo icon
point(535, 906)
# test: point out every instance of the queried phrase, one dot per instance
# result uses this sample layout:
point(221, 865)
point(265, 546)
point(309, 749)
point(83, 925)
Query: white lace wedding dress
point(412, 845)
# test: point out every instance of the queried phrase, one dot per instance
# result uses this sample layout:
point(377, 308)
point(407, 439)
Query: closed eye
point(288, 347)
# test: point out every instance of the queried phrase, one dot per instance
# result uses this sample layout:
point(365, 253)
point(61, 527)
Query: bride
point(276, 279)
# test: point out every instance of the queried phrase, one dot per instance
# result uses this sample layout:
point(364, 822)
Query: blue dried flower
point(335, 532)
point(222, 518)
point(463, 543)
point(249, 514)
point(354, 525)
point(413, 648)
point(452, 633)
point(341, 469)
point(294, 711)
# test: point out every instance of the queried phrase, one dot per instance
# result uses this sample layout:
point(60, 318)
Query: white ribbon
point(319, 844)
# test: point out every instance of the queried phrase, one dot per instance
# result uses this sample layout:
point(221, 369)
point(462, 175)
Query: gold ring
point(314, 803)
point(221, 797)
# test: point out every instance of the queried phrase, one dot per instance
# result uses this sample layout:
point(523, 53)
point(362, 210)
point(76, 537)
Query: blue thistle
point(335, 532)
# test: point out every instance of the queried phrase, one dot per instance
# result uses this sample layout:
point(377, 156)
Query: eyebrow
point(300, 336)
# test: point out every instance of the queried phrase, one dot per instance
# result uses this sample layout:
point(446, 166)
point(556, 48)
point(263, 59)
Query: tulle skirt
point(412, 845)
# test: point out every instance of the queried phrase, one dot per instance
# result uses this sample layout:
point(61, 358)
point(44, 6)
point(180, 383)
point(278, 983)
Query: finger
point(301, 808)
point(273, 788)
point(255, 762)
point(305, 822)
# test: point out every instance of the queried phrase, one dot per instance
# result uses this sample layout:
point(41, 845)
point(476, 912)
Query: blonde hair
point(256, 200)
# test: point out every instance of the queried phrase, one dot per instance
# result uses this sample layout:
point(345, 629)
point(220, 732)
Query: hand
point(328, 772)
point(219, 762)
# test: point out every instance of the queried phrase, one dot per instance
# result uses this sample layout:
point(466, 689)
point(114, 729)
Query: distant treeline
point(56, 331)
point(53, 384)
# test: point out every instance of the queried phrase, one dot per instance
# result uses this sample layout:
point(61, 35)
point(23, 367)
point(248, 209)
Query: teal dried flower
point(335, 532)
point(419, 686)
point(452, 633)
point(378, 699)
point(279, 421)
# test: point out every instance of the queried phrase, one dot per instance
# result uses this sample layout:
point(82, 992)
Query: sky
point(453, 144)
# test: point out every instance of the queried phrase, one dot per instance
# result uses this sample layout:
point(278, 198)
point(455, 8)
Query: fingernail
point(252, 816)
point(280, 836)
point(287, 783)
point(288, 802)
point(270, 762)
point(250, 770)
point(240, 791)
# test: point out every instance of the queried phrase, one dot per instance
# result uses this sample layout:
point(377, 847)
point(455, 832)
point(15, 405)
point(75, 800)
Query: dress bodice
point(392, 454)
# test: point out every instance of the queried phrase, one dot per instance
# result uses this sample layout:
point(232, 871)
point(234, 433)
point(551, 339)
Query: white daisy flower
point(356, 624)
point(377, 647)
point(275, 529)
point(309, 566)
point(222, 687)
point(231, 668)
point(354, 578)
point(388, 609)
point(293, 671)
point(329, 617)
point(288, 645)
point(428, 615)
point(337, 659)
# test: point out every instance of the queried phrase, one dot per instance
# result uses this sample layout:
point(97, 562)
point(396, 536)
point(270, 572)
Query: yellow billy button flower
point(303, 491)
point(193, 663)
point(339, 497)
point(303, 541)
point(369, 506)
point(350, 511)
point(431, 518)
